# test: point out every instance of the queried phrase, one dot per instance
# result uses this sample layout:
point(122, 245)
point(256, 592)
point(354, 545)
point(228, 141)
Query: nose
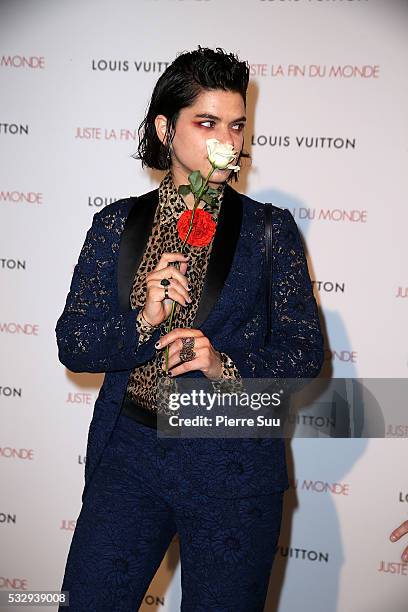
point(225, 136)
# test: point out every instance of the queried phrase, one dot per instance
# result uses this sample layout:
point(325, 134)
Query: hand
point(207, 359)
point(157, 308)
point(397, 534)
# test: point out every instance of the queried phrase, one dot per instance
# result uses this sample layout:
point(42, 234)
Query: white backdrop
point(327, 133)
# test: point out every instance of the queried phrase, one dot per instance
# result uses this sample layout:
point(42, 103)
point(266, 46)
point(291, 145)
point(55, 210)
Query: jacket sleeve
point(93, 335)
point(296, 346)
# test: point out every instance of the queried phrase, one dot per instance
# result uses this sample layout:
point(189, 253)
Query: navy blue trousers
point(136, 502)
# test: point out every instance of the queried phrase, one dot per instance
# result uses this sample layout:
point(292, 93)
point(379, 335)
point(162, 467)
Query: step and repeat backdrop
point(327, 132)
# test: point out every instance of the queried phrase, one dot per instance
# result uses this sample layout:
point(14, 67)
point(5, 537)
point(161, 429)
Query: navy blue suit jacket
point(97, 332)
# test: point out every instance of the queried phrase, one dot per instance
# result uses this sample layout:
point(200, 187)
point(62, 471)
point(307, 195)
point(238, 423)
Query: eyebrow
point(215, 118)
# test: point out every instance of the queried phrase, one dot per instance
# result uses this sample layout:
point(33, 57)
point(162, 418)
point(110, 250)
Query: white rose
point(221, 155)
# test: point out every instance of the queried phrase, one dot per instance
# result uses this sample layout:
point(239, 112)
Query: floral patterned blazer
point(97, 330)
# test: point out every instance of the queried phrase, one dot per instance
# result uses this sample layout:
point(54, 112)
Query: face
point(215, 114)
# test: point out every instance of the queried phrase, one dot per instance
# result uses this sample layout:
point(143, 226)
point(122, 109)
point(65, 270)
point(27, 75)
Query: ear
point(160, 124)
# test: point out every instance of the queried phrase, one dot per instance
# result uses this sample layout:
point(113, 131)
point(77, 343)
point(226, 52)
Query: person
point(396, 534)
point(223, 498)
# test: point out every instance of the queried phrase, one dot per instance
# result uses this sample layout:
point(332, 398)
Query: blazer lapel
point(222, 253)
point(136, 232)
point(133, 242)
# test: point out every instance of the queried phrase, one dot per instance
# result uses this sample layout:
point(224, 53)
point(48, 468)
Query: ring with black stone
point(165, 282)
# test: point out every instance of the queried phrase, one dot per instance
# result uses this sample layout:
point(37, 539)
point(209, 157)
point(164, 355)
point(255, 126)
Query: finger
point(170, 272)
point(174, 352)
point(200, 343)
point(168, 257)
point(183, 267)
point(172, 294)
point(187, 366)
point(175, 288)
point(177, 332)
point(404, 555)
point(399, 532)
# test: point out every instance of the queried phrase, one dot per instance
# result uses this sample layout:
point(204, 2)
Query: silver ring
point(187, 353)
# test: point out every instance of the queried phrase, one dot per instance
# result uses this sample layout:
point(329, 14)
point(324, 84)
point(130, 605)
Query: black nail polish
point(170, 373)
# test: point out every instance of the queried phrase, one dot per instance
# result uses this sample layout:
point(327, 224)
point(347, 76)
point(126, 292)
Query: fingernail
point(393, 537)
point(170, 373)
point(188, 286)
point(157, 345)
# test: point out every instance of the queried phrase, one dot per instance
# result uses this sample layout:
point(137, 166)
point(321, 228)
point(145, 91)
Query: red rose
point(203, 227)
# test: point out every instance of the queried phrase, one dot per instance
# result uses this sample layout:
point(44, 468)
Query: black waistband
point(138, 413)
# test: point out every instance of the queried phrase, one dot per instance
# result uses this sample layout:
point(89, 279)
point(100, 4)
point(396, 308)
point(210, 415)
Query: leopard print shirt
point(143, 380)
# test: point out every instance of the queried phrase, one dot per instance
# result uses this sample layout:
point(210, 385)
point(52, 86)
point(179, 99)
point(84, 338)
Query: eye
point(239, 127)
point(208, 121)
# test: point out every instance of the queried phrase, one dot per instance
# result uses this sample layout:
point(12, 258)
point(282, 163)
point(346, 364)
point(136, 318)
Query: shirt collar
point(172, 204)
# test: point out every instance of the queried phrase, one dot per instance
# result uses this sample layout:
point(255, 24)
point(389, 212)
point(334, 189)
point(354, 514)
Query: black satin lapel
point(225, 241)
point(136, 232)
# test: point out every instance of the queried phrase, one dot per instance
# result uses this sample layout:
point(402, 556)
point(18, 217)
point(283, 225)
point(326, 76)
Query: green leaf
point(184, 190)
point(196, 180)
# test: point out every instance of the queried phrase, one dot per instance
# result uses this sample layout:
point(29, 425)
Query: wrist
point(142, 314)
point(217, 374)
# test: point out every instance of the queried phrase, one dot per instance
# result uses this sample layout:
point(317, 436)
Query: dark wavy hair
point(178, 87)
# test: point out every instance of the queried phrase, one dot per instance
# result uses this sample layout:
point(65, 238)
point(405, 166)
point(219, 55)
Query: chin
point(219, 176)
